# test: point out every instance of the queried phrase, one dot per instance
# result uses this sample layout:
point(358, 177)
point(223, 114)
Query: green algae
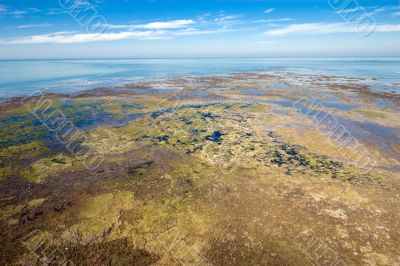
point(297, 160)
point(15, 158)
point(46, 167)
point(370, 114)
point(23, 124)
point(24, 151)
point(22, 131)
point(180, 129)
point(140, 170)
point(24, 127)
point(95, 217)
point(31, 175)
point(118, 106)
point(259, 108)
point(10, 210)
point(36, 202)
point(38, 105)
point(170, 225)
point(5, 172)
point(192, 128)
point(58, 161)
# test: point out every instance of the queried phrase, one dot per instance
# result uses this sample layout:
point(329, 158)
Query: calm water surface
point(21, 78)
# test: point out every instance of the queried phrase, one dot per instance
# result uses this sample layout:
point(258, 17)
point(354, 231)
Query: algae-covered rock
point(97, 216)
point(10, 210)
point(47, 167)
point(15, 159)
point(6, 172)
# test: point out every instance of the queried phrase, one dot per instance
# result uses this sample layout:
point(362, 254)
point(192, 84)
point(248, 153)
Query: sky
point(55, 29)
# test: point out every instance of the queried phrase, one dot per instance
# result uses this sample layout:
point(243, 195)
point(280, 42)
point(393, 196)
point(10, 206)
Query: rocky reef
point(239, 169)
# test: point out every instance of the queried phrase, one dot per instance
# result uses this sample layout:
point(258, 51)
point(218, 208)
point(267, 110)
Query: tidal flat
point(235, 169)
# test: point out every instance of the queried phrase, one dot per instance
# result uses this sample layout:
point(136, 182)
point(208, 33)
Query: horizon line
point(211, 57)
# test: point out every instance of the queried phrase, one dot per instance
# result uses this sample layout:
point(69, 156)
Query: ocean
point(26, 77)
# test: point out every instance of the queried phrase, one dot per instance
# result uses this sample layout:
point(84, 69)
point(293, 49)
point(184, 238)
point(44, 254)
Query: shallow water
point(286, 104)
point(252, 91)
point(341, 106)
point(21, 78)
point(277, 86)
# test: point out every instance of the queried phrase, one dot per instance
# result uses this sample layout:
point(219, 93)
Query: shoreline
point(73, 75)
point(149, 81)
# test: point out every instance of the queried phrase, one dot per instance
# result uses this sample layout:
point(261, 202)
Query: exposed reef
point(238, 169)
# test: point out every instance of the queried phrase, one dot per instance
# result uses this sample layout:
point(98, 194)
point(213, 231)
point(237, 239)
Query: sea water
point(25, 77)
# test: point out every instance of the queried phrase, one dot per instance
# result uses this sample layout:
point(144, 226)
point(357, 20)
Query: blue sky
point(188, 28)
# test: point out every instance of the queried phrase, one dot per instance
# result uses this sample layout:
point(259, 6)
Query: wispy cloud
point(376, 11)
point(149, 31)
point(72, 37)
point(274, 20)
point(3, 8)
point(192, 31)
point(175, 24)
point(350, 10)
point(227, 18)
point(76, 37)
point(364, 13)
point(56, 11)
point(396, 14)
point(28, 26)
point(168, 25)
point(269, 10)
point(22, 13)
point(325, 28)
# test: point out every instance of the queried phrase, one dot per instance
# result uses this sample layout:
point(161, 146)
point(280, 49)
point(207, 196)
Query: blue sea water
point(25, 77)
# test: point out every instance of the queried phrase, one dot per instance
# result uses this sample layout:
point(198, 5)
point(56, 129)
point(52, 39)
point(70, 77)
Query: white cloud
point(72, 37)
point(375, 11)
point(309, 28)
point(192, 31)
point(169, 24)
point(362, 11)
point(225, 18)
point(28, 26)
point(269, 10)
point(77, 37)
point(175, 24)
point(396, 14)
point(388, 28)
point(274, 20)
point(326, 28)
point(21, 13)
